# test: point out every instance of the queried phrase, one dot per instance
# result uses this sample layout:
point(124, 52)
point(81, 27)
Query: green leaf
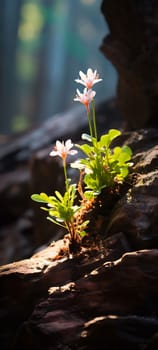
point(44, 196)
point(53, 201)
point(113, 133)
point(43, 208)
point(55, 222)
point(125, 155)
point(106, 139)
point(88, 150)
point(84, 224)
point(89, 194)
point(82, 233)
point(116, 153)
point(41, 198)
point(59, 196)
point(124, 172)
point(53, 212)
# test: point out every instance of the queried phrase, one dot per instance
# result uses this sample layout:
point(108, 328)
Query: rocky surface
point(137, 209)
point(81, 302)
point(107, 294)
point(132, 48)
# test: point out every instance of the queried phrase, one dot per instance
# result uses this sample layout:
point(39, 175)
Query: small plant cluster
point(102, 166)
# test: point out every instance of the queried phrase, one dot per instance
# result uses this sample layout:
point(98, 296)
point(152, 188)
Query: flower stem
point(94, 120)
point(65, 175)
point(89, 123)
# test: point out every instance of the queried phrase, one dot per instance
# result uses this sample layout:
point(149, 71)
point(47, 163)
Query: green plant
point(102, 166)
point(61, 208)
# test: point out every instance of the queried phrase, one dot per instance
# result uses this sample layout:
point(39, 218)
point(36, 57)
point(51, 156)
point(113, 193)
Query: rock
point(24, 282)
point(137, 209)
point(16, 240)
point(131, 46)
point(14, 194)
point(78, 303)
point(120, 332)
point(105, 293)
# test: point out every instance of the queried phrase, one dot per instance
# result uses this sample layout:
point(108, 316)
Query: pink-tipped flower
point(62, 150)
point(88, 79)
point(85, 98)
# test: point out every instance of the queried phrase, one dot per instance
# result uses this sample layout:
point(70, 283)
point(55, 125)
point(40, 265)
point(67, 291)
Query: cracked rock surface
point(106, 295)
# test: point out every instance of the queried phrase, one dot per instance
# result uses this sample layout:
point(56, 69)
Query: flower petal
point(80, 81)
point(82, 75)
point(53, 153)
point(88, 79)
point(68, 145)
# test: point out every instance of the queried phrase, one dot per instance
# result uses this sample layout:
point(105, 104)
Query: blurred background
point(44, 44)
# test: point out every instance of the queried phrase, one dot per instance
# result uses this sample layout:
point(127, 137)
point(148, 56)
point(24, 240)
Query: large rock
point(80, 303)
point(138, 209)
point(107, 293)
point(131, 46)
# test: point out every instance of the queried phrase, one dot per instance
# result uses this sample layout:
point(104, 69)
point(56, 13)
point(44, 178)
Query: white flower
point(88, 79)
point(86, 97)
point(62, 150)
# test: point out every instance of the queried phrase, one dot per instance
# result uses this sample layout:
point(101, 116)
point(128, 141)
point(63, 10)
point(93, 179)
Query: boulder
point(107, 292)
point(81, 302)
point(131, 46)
